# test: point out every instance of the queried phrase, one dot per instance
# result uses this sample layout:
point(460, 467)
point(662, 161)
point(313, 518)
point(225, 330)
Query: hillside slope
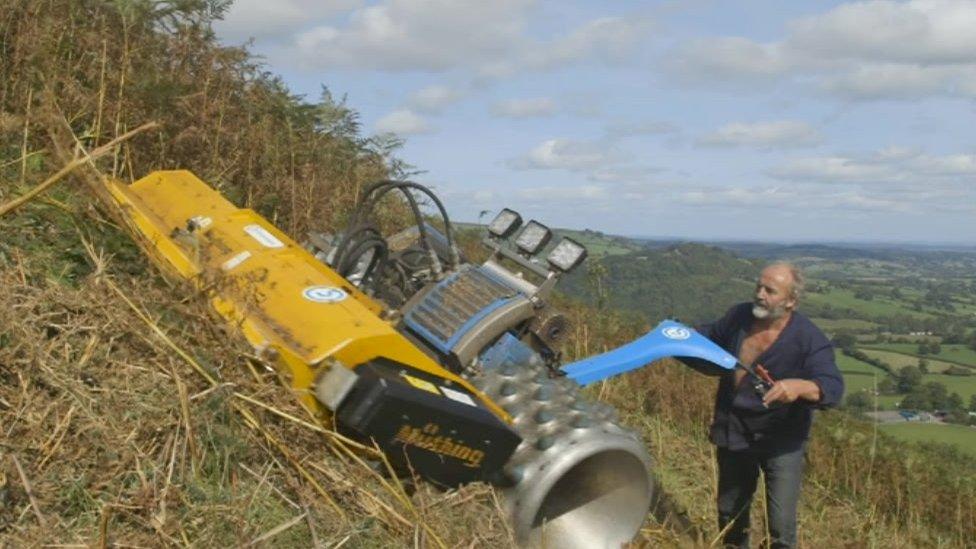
point(111, 435)
point(692, 282)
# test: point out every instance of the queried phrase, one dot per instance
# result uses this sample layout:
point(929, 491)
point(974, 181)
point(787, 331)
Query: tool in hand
point(763, 382)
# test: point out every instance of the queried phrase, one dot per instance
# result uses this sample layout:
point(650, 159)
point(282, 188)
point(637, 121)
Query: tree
point(864, 293)
point(909, 378)
point(844, 340)
point(858, 402)
point(923, 348)
point(923, 365)
point(887, 386)
point(596, 279)
point(936, 394)
point(914, 401)
point(972, 403)
point(935, 348)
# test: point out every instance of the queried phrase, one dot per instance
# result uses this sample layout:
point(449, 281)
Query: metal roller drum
point(578, 479)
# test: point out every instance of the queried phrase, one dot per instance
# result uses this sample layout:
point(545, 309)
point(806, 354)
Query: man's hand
point(789, 390)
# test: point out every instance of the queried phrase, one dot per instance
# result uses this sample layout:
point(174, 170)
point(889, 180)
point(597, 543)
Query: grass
point(851, 365)
point(960, 436)
point(860, 376)
point(851, 324)
point(877, 307)
point(113, 428)
point(964, 385)
point(899, 360)
point(957, 353)
point(596, 244)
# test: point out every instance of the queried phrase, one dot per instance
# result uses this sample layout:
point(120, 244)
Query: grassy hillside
point(951, 353)
point(957, 435)
point(111, 434)
point(692, 282)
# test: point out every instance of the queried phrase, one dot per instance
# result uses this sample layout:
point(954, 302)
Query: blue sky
point(751, 120)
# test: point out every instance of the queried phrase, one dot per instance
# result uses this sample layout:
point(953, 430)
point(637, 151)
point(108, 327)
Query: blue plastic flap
point(669, 338)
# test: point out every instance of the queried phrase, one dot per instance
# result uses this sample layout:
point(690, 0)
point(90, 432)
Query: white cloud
point(263, 19)
point(525, 108)
point(607, 39)
point(918, 31)
point(809, 199)
point(489, 39)
point(624, 174)
point(428, 35)
point(648, 127)
point(892, 81)
point(403, 122)
point(862, 51)
point(727, 58)
point(779, 133)
point(572, 193)
point(892, 166)
point(568, 154)
point(833, 169)
point(434, 99)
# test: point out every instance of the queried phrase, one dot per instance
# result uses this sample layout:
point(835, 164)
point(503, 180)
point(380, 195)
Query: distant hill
point(840, 260)
point(691, 282)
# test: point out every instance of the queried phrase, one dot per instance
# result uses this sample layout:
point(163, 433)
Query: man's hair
point(796, 288)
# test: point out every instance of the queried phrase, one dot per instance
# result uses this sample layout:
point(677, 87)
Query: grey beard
point(762, 313)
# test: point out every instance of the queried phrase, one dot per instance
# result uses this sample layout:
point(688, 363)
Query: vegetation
point(948, 435)
point(953, 353)
point(692, 282)
point(110, 435)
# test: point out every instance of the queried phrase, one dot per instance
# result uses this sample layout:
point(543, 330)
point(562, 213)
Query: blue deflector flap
point(668, 339)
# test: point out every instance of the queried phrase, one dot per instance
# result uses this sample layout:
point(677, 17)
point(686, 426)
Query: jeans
point(738, 473)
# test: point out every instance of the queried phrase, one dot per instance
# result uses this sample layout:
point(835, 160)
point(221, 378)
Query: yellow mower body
point(292, 308)
point(565, 465)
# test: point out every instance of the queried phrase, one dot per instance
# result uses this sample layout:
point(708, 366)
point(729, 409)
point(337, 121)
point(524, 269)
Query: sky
point(708, 120)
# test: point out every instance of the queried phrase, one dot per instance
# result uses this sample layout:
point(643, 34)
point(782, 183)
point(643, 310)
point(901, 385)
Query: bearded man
point(768, 433)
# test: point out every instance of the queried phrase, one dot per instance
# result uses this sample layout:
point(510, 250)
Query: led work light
point(567, 255)
point(505, 223)
point(533, 237)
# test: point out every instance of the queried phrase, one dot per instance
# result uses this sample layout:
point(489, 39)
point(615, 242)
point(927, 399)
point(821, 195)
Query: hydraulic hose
point(382, 187)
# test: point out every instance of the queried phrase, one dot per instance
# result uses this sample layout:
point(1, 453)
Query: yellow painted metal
point(287, 304)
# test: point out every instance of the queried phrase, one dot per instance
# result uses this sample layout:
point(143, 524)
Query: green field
point(960, 436)
point(964, 385)
point(900, 360)
point(852, 324)
point(850, 365)
point(597, 245)
point(877, 307)
point(952, 353)
point(861, 376)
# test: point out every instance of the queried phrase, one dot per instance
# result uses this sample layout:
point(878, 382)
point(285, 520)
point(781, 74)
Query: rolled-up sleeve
point(821, 368)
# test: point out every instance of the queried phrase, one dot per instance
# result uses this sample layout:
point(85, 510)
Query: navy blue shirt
point(802, 351)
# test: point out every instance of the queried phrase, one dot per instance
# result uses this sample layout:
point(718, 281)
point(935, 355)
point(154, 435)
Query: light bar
point(505, 223)
point(567, 255)
point(533, 237)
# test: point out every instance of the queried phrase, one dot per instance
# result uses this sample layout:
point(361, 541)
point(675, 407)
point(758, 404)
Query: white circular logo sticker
point(677, 332)
point(324, 294)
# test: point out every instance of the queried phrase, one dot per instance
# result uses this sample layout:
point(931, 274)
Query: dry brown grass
point(121, 442)
point(109, 436)
point(895, 497)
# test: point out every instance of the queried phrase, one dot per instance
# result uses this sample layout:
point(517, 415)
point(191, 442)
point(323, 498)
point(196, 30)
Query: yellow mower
point(450, 367)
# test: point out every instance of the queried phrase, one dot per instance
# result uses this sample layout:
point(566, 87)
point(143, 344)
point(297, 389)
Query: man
point(768, 433)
